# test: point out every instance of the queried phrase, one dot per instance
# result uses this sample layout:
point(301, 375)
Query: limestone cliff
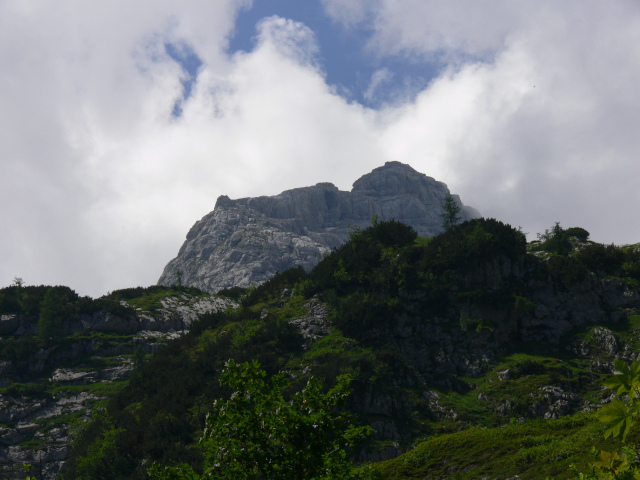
point(248, 240)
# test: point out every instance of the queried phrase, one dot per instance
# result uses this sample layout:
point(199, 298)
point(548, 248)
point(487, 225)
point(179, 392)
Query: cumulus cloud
point(533, 119)
point(104, 182)
point(79, 82)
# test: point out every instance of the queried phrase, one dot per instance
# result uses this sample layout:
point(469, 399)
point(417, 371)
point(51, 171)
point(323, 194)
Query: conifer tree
point(451, 213)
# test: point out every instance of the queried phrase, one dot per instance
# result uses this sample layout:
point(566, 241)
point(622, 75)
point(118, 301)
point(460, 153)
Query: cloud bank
point(533, 119)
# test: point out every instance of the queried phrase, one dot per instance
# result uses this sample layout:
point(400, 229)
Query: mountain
point(248, 240)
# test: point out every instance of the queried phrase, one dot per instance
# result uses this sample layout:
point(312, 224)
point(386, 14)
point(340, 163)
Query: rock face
point(248, 240)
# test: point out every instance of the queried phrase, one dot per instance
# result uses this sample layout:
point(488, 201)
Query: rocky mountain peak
point(395, 178)
point(248, 240)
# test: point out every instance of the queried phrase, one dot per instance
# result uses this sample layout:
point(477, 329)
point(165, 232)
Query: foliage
point(557, 240)
point(471, 243)
point(358, 312)
point(256, 433)
point(57, 306)
point(368, 260)
point(450, 214)
point(176, 386)
point(620, 418)
point(101, 461)
point(384, 283)
point(64, 303)
point(611, 260)
point(274, 285)
point(528, 450)
point(578, 232)
point(234, 293)
point(568, 270)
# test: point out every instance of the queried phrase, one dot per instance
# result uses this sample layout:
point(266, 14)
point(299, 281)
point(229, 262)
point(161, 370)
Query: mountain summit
point(248, 240)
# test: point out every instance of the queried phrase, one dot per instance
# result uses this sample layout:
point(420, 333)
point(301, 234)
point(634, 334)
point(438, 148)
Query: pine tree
point(451, 213)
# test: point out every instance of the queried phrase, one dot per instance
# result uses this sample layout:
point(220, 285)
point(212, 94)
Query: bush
point(360, 312)
point(367, 260)
point(602, 258)
point(57, 306)
point(578, 232)
point(234, 293)
point(568, 270)
point(274, 285)
point(472, 242)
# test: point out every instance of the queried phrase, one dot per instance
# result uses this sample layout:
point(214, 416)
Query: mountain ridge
point(246, 241)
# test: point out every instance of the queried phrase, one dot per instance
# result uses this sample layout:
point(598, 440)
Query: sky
point(121, 122)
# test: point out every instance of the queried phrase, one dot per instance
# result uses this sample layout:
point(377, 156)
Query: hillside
point(62, 355)
point(476, 354)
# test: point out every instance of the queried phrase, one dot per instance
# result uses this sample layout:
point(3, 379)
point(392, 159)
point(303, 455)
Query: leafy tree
point(620, 417)
point(257, 434)
point(451, 213)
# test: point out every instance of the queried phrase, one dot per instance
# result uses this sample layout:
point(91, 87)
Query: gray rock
point(246, 241)
point(9, 324)
point(314, 325)
point(108, 322)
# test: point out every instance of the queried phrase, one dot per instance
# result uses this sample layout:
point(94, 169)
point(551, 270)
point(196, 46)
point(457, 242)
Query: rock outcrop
point(248, 240)
point(35, 425)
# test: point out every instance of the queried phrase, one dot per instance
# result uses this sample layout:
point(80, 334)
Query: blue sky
point(344, 59)
point(121, 122)
point(355, 71)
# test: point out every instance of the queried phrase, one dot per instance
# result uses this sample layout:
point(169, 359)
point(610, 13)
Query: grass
point(531, 450)
point(152, 302)
point(421, 241)
point(99, 389)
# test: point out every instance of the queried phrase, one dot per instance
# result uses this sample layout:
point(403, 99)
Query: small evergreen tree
point(55, 308)
point(450, 214)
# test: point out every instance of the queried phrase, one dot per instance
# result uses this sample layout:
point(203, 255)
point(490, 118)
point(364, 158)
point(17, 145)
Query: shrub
point(359, 312)
point(472, 242)
point(577, 232)
point(568, 270)
point(274, 285)
point(602, 258)
point(234, 293)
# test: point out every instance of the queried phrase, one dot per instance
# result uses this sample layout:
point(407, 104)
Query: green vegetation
point(531, 450)
point(620, 418)
point(559, 241)
point(54, 310)
point(450, 214)
point(150, 298)
point(429, 331)
point(257, 433)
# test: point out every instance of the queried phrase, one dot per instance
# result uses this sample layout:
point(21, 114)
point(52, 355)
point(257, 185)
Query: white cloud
point(534, 121)
point(378, 79)
point(78, 82)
